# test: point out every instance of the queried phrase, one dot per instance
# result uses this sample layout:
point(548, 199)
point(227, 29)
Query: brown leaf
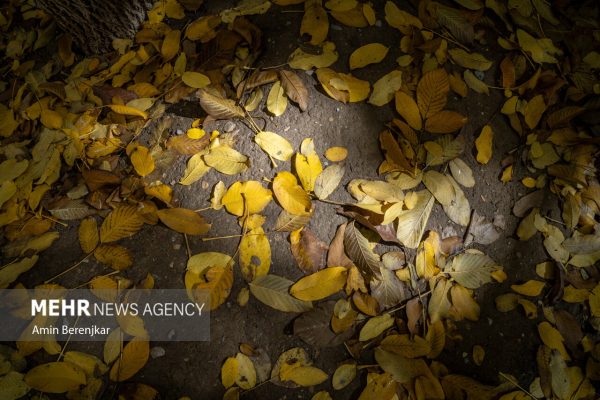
point(313, 327)
point(183, 144)
point(562, 117)
point(508, 73)
point(414, 312)
point(257, 79)
point(219, 108)
point(445, 122)
point(527, 202)
point(294, 88)
point(336, 255)
point(97, 178)
point(308, 250)
point(432, 92)
point(569, 328)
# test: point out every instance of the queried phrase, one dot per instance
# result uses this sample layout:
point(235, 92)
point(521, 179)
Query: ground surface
point(193, 369)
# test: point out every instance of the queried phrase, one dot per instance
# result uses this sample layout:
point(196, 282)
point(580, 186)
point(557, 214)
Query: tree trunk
point(93, 24)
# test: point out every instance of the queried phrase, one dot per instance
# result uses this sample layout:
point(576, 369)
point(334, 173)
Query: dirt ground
point(192, 369)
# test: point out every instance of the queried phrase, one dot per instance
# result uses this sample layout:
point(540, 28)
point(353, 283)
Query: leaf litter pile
point(84, 142)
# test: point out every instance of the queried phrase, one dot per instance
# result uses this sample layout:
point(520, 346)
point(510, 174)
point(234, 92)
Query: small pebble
point(229, 126)
point(176, 246)
point(179, 132)
point(171, 334)
point(204, 185)
point(157, 352)
point(336, 27)
point(479, 74)
point(378, 23)
point(330, 119)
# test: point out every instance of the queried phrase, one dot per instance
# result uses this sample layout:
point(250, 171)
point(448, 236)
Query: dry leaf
point(294, 88)
point(319, 285)
point(183, 220)
point(483, 143)
point(134, 357)
point(290, 195)
point(276, 101)
point(371, 53)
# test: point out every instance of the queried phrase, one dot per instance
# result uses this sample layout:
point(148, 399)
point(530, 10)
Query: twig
point(393, 310)
point(187, 246)
point(70, 268)
point(503, 375)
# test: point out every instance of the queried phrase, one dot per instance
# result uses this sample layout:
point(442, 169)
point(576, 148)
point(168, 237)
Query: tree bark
point(93, 24)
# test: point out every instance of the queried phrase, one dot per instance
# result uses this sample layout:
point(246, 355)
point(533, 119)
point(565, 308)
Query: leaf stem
point(71, 268)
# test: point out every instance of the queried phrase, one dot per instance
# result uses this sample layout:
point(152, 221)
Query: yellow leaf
point(315, 23)
point(7, 190)
point(507, 174)
point(122, 222)
point(534, 110)
point(304, 375)
point(142, 160)
point(341, 5)
point(594, 299)
point(405, 346)
point(290, 195)
point(529, 308)
point(552, 338)
point(463, 303)
point(470, 60)
point(484, 145)
point(432, 92)
point(408, 109)
point(385, 87)
point(255, 254)
point(218, 280)
point(274, 145)
point(474, 83)
point(326, 56)
point(307, 165)
point(195, 79)
point(336, 154)
point(369, 14)
point(160, 191)
point(114, 255)
point(229, 372)
point(55, 377)
point(400, 19)
point(202, 29)
point(528, 182)
point(371, 53)
point(125, 110)
point(10, 272)
point(183, 220)
point(226, 160)
point(134, 357)
point(375, 326)
point(529, 288)
point(170, 46)
point(276, 101)
point(246, 373)
point(88, 235)
point(241, 195)
point(478, 354)
point(357, 89)
point(445, 122)
point(321, 284)
point(343, 376)
point(541, 50)
point(592, 59)
point(195, 169)
point(51, 119)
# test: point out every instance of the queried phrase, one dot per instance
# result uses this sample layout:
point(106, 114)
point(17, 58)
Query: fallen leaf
point(290, 195)
point(183, 220)
point(55, 377)
point(319, 285)
point(294, 88)
point(328, 180)
point(273, 291)
point(276, 101)
point(133, 358)
point(483, 143)
point(274, 145)
point(385, 88)
point(371, 53)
